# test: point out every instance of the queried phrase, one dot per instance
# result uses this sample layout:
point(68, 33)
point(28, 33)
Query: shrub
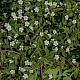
point(40, 40)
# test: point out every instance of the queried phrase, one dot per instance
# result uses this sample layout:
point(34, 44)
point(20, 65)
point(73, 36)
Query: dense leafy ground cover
point(40, 40)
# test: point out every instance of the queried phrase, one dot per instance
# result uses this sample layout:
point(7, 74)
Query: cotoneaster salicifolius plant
point(37, 40)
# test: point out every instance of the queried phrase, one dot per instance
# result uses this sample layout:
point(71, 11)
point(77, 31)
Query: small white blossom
point(9, 37)
point(61, 3)
point(69, 41)
point(8, 27)
point(25, 76)
point(11, 61)
point(27, 23)
point(21, 29)
point(21, 47)
point(66, 17)
point(74, 22)
point(49, 35)
point(74, 61)
point(34, 45)
point(36, 9)
point(46, 42)
point(0, 43)
point(55, 43)
point(31, 28)
point(50, 76)
point(20, 11)
point(12, 43)
point(22, 69)
point(46, 2)
point(55, 4)
point(62, 47)
point(56, 49)
point(27, 8)
point(20, 2)
point(15, 35)
point(56, 57)
point(28, 63)
point(52, 14)
point(2, 30)
point(41, 34)
point(31, 71)
point(25, 17)
point(38, 0)
point(36, 23)
point(46, 9)
point(46, 31)
point(13, 14)
point(12, 71)
point(50, 3)
point(54, 31)
point(67, 49)
point(52, 40)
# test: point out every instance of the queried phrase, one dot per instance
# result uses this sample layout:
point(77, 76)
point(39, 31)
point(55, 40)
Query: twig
point(3, 51)
point(41, 73)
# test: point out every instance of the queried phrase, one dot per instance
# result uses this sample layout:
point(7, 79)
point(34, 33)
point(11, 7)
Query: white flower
point(69, 41)
point(54, 31)
point(49, 35)
point(2, 30)
point(41, 34)
point(25, 76)
point(31, 28)
point(20, 11)
point(74, 61)
point(46, 42)
point(38, 0)
point(56, 57)
point(0, 43)
point(12, 43)
point(20, 2)
point(52, 14)
point(8, 27)
point(46, 31)
point(66, 17)
point(55, 43)
point(27, 8)
point(12, 71)
point(27, 23)
point(55, 4)
point(46, 2)
point(22, 69)
point(36, 9)
point(13, 14)
point(34, 45)
point(52, 40)
point(45, 15)
point(40, 58)
point(25, 17)
point(21, 47)
point(50, 76)
point(21, 29)
point(50, 3)
point(9, 37)
point(28, 63)
point(74, 22)
point(56, 49)
point(11, 61)
point(31, 71)
point(36, 23)
point(15, 35)
point(46, 9)
point(61, 3)
point(62, 47)
point(67, 49)
point(19, 15)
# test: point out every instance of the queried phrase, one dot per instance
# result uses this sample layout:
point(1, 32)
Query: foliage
point(40, 40)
